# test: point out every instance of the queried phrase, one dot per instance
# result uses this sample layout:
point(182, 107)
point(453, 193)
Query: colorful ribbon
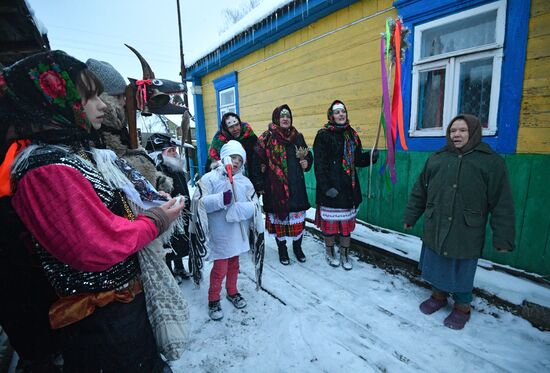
point(386, 118)
point(397, 100)
point(141, 97)
point(5, 168)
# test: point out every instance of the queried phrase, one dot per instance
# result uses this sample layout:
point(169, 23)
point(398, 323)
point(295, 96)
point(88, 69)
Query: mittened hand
point(374, 156)
point(227, 195)
point(332, 193)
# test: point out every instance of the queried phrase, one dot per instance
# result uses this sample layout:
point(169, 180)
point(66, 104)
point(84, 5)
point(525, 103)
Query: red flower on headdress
point(52, 84)
point(3, 85)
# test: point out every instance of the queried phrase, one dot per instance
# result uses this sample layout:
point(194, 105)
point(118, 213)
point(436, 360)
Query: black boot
point(283, 253)
point(297, 248)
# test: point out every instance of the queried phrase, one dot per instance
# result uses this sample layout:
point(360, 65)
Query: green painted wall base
point(530, 180)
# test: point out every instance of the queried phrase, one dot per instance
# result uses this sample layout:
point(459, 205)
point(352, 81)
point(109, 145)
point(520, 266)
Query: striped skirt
point(333, 221)
point(292, 226)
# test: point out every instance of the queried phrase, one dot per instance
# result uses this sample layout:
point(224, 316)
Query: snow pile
point(315, 318)
point(507, 287)
point(39, 25)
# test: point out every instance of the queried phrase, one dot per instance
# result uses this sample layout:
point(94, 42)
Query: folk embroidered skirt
point(333, 221)
point(292, 226)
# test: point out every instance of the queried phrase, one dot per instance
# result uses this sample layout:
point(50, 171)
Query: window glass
point(227, 97)
point(462, 34)
point(431, 99)
point(474, 96)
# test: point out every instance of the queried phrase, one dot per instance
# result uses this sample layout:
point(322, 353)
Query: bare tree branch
point(234, 15)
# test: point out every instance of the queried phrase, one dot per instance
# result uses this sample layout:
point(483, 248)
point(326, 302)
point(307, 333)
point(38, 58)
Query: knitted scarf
point(223, 136)
point(351, 141)
point(273, 144)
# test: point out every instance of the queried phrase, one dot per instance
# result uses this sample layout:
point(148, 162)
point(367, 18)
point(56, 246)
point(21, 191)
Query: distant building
point(21, 34)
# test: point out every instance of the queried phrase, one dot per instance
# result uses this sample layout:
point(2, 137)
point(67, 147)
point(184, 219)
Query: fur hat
point(233, 147)
point(113, 82)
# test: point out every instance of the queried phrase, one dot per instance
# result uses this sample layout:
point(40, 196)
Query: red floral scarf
point(273, 144)
point(223, 136)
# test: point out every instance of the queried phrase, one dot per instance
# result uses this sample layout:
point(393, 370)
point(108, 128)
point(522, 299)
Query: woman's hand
point(164, 194)
point(407, 226)
point(303, 162)
point(173, 207)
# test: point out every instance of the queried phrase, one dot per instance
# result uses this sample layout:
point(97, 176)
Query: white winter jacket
point(224, 236)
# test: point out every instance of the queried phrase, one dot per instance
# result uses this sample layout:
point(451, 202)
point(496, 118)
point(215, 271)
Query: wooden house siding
point(534, 125)
point(337, 57)
point(528, 177)
point(308, 73)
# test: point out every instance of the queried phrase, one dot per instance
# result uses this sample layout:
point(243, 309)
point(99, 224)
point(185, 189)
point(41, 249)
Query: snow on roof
point(39, 25)
point(262, 11)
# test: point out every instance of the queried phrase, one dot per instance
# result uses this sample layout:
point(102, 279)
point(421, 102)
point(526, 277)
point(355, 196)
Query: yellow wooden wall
point(343, 65)
point(534, 130)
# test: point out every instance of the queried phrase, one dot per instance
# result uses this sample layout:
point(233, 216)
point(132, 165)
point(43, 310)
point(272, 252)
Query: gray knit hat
point(113, 82)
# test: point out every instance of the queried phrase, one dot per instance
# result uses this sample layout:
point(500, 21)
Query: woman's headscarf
point(273, 147)
point(474, 133)
point(351, 140)
point(223, 136)
point(39, 100)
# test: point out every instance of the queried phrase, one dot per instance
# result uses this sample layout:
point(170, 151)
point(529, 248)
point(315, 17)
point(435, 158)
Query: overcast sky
point(99, 28)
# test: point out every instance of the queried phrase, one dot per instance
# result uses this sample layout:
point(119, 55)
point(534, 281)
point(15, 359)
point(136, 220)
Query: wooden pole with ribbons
point(392, 45)
point(131, 116)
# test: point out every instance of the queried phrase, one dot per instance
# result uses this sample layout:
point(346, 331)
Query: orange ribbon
point(5, 168)
point(68, 310)
point(397, 100)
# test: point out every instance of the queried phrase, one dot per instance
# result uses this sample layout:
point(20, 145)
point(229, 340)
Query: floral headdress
point(39, 99)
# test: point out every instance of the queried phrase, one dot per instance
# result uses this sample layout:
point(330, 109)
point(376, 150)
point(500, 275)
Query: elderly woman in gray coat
point(460, 186)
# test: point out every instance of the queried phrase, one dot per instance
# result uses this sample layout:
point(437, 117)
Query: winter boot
point(297, 248)
point(215, 310)
point(458, 317)
point(331, 257)
point(237, 300)
point(345, 260)
point(437, 301)
point(182, 273)
point(283, 253)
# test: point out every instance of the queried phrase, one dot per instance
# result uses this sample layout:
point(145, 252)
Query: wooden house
point(486, 57)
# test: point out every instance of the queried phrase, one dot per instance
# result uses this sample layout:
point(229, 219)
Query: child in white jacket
point(230, 210)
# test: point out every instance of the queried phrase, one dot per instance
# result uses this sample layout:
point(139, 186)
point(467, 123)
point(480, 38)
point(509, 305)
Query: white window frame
point(452, 62)
point(227, 108)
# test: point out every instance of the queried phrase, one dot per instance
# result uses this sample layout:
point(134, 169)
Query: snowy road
point(314, 318)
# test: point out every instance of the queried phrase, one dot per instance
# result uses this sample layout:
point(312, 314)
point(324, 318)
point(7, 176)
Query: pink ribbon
point(390, 140)
point(141, 97)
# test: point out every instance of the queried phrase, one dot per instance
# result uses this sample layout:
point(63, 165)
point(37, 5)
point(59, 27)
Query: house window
point(456, 69)
point(227, 101)
point(227, 94)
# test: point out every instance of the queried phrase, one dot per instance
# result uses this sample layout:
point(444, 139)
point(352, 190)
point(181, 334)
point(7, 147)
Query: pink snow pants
point(222, 268)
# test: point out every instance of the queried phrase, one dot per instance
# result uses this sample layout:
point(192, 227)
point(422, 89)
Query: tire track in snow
point(478, 360)
point(378, 347)
point(438, 349)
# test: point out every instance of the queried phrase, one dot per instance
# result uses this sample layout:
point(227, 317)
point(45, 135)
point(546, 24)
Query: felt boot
point(283, 252)
point(297, 248)
point(458, 317)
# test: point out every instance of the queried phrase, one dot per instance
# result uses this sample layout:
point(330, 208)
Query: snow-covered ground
point(315, 318)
